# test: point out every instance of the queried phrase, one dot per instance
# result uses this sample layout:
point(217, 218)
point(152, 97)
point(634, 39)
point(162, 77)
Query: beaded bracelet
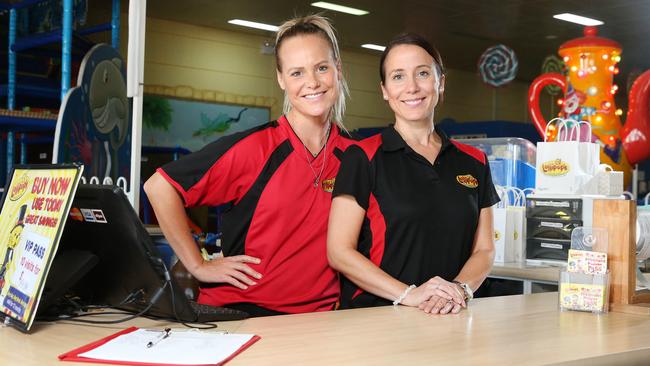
point(403, 295)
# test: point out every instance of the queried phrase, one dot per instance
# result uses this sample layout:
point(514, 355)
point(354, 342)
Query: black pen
point(162, 336)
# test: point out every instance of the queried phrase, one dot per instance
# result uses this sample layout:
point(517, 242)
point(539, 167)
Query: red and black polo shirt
point(277, 213)
point(420, 218)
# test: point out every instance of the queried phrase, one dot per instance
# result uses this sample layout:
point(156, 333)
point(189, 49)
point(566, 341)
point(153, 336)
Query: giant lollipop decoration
point(589, 88)
point(498, 65)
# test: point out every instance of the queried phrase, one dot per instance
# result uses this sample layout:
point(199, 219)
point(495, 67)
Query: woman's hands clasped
point(437, 296)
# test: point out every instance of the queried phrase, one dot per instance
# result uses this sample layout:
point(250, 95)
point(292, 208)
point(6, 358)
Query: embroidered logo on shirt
point(467, 180)
point(555, 167)
point(328, 184)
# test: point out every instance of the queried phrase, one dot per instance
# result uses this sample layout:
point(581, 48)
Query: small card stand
point(584, 284)
point(584, 292)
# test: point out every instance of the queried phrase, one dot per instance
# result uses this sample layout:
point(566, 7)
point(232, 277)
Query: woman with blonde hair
point(278, 178)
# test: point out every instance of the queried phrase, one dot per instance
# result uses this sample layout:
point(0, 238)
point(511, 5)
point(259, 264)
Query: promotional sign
point(35, 206)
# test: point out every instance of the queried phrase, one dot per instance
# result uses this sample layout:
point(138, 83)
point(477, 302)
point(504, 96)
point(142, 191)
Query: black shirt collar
point(393, 141)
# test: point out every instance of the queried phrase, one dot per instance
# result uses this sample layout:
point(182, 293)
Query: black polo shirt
point(420, 218)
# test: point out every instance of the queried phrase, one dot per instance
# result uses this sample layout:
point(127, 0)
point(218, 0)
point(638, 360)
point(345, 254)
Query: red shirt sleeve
point(222, 171)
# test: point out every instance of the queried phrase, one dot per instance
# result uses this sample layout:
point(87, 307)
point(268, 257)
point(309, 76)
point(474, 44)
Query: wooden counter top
point(492, 331)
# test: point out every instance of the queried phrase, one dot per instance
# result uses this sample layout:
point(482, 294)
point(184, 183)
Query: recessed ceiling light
point(568, 17)
point(339, 8)
point(375, 47)
point(256, 25)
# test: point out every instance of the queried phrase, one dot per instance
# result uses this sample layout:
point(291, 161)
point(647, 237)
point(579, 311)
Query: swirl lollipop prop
point(554, 64)
point(498, 65)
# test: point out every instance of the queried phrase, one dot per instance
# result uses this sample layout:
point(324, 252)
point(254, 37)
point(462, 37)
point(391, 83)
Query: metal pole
point(11, 82)
point(10, 152)
point(66, 47)
point(134, 89)
point(115, 25)
point(11, 88)
point(3, 161)
point(23, 148)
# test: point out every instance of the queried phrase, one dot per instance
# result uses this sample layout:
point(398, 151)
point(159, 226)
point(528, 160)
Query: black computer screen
point(129, 273)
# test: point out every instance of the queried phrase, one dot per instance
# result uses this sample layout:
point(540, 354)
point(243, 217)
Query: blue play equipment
point(512, 173)
point(16, 124)
point(511, 159)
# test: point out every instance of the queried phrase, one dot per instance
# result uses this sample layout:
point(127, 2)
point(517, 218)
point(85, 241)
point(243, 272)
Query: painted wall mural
point(191, 124)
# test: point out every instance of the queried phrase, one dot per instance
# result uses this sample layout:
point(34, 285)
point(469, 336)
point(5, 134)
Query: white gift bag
point(500, 217)
point(515, 248)
point(606, 182)
point(564, 166)
point(509, 219)
point(610, 182)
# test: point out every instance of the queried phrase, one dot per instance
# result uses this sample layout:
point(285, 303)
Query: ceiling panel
point(461, 29)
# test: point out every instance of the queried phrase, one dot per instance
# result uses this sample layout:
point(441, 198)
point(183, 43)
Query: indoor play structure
point(589, 96)
point(21, 123)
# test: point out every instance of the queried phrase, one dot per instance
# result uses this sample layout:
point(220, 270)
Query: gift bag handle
point(564, 126)
point(520, 196)
point(576, 127)
point(502, 192)
point(502, 200)
point(559, 122)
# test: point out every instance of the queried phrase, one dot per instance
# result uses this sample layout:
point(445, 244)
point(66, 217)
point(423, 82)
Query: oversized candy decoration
point(553, 64)
point(636, 131)
point(589, 95)
point(498, 65)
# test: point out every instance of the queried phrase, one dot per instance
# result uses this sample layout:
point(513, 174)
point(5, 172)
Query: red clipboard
point(74, 354)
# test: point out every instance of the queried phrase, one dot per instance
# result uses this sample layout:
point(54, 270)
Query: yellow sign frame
point(35, 206)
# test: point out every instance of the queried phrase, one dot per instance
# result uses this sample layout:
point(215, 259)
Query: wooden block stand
point(619, 218)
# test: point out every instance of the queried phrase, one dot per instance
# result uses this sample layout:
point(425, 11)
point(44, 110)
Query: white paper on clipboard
point(180, 348)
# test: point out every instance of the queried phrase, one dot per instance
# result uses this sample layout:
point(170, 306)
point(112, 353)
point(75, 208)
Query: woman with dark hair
point(411, 217)
point(279, 179)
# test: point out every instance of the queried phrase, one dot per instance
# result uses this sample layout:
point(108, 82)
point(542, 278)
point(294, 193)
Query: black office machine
point(549, 222)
